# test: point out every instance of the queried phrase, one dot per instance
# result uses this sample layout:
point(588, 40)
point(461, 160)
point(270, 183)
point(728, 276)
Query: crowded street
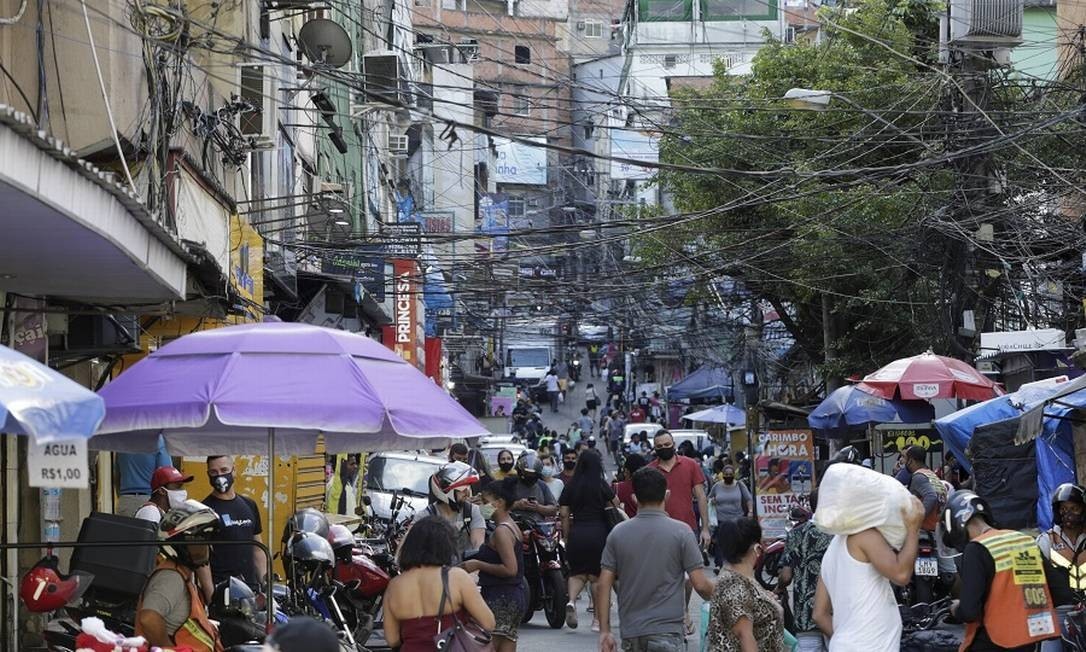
point(564, 325)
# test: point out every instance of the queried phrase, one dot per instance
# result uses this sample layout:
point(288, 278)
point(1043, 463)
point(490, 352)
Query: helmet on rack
point(529, 466)
point(342, 541)
point(308, 551)
point(450, 478)
point(306, 520)
point(961, 506)
point(848, 455)
point(1066, 492)
point(233, 597)
point(44, 589)
point(191, 521)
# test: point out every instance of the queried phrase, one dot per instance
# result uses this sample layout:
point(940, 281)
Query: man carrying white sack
point(854, 603)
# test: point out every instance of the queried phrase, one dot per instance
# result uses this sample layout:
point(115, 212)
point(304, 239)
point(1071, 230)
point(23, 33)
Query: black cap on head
point(303, 634)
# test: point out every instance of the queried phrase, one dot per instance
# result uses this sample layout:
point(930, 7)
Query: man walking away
point(925, 485)
point(1005, 602)
point(551, 379)
point(801, 566)
point(854, 604)
point(585, 423)
point(652, 601)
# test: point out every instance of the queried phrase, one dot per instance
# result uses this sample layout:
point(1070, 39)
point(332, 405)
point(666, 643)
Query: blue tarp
point(850, 408)
point(706, 382)
point(1055, 445)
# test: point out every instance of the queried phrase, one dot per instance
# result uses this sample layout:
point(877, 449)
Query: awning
point(70, 231)
point(706, 382)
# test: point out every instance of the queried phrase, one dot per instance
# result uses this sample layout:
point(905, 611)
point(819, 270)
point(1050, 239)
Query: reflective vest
point(196, 632)
point(1018, 610)
point(1064, 557)
point(931, 521)
point(335, 489)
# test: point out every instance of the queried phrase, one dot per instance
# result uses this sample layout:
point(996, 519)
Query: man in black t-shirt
point(239, 521)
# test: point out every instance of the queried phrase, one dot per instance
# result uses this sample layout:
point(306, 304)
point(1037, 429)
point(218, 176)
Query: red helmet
point(44, 589)
point(165, 475)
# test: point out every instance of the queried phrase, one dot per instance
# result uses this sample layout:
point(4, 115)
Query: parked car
point(634, 428)
point(491, 450)
point(407, 474)
point(699, 438)
point(499, 439)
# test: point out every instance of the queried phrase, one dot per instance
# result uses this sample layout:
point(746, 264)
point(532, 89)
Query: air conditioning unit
point(986, 24)
point(397, 144)
point(256, 143)
point(102, 334)
point(383, 80)
point(580, 25)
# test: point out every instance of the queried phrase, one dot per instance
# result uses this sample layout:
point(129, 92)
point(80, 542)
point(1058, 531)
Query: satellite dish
point(325, 43)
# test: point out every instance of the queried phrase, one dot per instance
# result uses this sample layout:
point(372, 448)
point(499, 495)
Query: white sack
point(852, 498)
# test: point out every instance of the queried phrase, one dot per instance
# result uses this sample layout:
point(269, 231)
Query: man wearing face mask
point(569, 462)
point(534, 500)
point(166, 494)
point(450, 494)
point(1064, 545)
point(240, 521)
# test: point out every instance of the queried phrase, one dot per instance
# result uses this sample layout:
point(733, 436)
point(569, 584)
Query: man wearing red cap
point(166, 493)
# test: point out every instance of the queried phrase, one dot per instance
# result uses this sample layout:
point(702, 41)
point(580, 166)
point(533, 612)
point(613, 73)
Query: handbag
point(464, 635)
point(613, 516)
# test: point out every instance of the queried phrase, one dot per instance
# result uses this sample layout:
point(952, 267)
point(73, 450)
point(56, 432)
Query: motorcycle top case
point(853, 498)
point(122, 570)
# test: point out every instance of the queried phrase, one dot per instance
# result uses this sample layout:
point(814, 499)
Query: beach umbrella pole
point(269, 579)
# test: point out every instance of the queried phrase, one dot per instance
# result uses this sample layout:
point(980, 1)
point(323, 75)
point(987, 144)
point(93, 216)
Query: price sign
point(59, 464)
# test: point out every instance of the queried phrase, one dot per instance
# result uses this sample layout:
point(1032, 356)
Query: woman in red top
point(624, 489)
point(413, 597)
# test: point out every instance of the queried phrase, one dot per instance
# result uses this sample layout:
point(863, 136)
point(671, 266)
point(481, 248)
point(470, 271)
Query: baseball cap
point(302, 634)
point(165, 475)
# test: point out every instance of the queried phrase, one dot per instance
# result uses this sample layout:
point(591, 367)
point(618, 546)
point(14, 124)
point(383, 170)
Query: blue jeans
point(655, 643)
point(553, 396)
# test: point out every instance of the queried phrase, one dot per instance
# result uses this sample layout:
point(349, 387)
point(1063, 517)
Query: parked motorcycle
point(544, 570)
point(767, 568)
point(920, 624)
point(356, 568)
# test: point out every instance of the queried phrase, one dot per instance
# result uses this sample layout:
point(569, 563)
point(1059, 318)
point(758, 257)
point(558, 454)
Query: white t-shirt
point(865, 613)
point(556, 486)
point(149, 513)
point(552, 383)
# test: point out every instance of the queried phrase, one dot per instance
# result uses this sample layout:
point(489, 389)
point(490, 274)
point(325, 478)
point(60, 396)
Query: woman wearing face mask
point(584, 526)
point(166, 494)
point(500, 563)
point(743, 617)
point(732, 501)
point(550, 476)
point(505, 465)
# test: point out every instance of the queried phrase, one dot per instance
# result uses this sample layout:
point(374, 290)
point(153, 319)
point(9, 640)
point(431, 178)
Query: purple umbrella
point(224, 391)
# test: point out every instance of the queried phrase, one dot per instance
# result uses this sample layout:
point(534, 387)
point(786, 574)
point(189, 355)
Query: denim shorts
point(655, 643)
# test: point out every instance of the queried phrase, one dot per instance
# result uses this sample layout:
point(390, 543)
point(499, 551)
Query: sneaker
point(595, 625)
point(571, 615)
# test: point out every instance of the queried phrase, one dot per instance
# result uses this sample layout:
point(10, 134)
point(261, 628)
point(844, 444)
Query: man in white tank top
point(854, 604)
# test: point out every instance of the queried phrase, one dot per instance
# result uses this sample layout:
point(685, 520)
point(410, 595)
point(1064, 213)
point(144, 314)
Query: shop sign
point(402, 240)
point(785, 477)
point(405, 325)
point(58, 464)
point(1043, 339)
point(364, 266)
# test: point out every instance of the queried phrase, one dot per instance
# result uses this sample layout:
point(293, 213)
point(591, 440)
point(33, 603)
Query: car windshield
point(393, 474)
point(491, 453)
point(529, 357)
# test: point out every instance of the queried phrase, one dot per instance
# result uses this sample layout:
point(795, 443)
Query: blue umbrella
point(41, 403)
point(851, 408)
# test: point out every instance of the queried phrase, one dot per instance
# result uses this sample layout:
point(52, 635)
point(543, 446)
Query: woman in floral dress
point(743, 617)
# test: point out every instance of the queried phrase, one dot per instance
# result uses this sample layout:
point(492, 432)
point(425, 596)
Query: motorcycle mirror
point(367, 501)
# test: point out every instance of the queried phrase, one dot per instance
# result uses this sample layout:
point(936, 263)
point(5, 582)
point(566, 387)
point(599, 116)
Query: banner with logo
point(403, 336)
point(784, 477)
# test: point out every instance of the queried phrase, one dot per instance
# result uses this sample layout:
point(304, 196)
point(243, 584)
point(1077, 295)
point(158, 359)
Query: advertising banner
point(494, 221)
point(247, 262)
point(635, 145)
point(520, 163)
point(405, 312)
point(784, 473)
point(364, 266)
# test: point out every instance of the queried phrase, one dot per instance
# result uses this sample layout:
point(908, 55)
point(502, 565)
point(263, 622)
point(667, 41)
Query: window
point(738, 9)
point(252, 91)
point(665, 10)
point(469, 47)
point(520, 105)
point(516, 208)
point(588, 129)
point(669, 61)
point(422, 3)
point(522, 54)
point(447, 4)
point(593, 29)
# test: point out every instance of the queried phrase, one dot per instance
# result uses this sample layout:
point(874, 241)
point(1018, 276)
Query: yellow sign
point(247, 264)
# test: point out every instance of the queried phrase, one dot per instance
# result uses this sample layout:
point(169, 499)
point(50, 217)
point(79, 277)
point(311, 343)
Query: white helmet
point(449, 478)
point(190, 521)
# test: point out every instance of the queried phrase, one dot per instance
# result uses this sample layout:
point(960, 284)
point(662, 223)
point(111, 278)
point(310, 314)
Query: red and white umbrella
point(928, 376)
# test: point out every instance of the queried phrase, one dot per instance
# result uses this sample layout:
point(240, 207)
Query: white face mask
point(177, 497)
point(487, 511)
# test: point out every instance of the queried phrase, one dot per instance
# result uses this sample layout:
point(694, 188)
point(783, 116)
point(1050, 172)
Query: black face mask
point(665, 453)
point(569, 464)
point(505, 466)
point(729, 479)
point(222, 483)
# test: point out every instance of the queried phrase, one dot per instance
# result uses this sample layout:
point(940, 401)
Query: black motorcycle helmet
point(961, 506)
point(232, 598)
point(306, 520)
point(848, 455)
point(309, 551)
point(1066, 492)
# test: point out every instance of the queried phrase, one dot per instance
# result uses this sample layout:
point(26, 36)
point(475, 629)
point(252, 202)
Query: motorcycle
point(927, 585)
point(920, 627)
point(364, 579)
point(544, 570)
point(768, 566)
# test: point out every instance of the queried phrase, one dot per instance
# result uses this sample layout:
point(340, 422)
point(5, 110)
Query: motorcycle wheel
point(533, 602)
point(556, 597)
point(766, 573)
point(923, 591)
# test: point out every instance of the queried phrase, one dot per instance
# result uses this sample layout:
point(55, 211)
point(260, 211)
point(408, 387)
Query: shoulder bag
point(613, 516)
point(464, 635)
